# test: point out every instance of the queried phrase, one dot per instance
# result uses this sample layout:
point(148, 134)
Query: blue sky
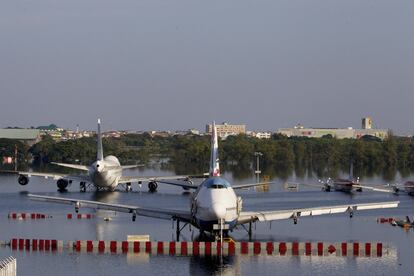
point(166, 65)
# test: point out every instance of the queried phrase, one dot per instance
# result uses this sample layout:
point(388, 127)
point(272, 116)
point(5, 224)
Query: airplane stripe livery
point(216, 208)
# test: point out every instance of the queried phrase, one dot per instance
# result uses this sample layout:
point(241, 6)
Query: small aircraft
point(215, 207)
point(403, 223)
point(104, 174)
point(344, 185)
point(407, 187)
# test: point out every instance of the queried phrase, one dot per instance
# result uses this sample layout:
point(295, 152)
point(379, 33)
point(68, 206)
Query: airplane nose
point(219, 211)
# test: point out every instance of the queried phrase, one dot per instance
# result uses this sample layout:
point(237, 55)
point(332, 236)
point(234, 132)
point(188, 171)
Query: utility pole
point(258, 172)
point(15, 157)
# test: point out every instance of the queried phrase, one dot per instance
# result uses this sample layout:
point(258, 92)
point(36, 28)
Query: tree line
point(324, 157)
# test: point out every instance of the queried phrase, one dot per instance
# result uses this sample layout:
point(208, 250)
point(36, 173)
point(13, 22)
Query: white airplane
point(103, 174)
point(215, 206)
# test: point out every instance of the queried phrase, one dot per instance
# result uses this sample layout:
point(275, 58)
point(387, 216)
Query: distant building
point(260, 135)
point(339, 133)
point(27, 136)
point(226, 129)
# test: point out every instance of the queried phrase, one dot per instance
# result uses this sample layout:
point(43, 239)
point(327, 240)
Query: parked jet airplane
point(104, 174)
point(214, 205)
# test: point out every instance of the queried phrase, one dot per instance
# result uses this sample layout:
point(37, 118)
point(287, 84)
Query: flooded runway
point(337, 228)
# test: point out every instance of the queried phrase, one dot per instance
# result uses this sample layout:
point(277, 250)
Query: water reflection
point(215, 265)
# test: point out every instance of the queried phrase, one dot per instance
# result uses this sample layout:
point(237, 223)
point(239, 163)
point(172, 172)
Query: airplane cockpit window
point(216, 183)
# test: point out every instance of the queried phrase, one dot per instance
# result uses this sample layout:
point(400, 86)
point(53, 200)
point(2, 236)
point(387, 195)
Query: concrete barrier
point(8, 267)
point(355, 249)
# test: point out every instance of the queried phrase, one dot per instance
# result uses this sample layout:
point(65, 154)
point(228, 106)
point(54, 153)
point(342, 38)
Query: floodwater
point(336, 228)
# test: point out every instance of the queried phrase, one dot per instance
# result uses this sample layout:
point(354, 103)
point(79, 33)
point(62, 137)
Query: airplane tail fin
point(99, 155)
point(214, 158)
point(408, 219)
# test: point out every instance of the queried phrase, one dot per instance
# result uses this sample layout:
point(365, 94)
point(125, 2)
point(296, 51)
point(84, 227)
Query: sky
point(179, 64)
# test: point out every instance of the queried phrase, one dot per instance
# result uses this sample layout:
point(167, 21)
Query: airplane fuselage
point(213, 201)
point(106, 173)
point(343, 185)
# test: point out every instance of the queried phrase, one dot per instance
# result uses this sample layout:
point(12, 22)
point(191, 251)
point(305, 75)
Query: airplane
point(344, 185)
point(407, 187)
point(215, 207)
point(104, 174)
point(403, 223)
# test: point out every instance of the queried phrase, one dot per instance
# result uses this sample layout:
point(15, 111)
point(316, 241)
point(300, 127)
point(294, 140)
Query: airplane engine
point(152, 186)
point(62, 184)
point(23, 180)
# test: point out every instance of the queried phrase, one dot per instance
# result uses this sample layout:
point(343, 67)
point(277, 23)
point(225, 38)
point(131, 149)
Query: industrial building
point(226, 129)
point(339, 133)
point(28, 136)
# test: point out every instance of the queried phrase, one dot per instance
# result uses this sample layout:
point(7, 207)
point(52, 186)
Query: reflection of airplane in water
point(104, 174)
point(215, 207)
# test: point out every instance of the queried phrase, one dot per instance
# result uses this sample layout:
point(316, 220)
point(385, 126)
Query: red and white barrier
point(385, 220)
point(361, 249)
point(27, 216)
point(79, 216)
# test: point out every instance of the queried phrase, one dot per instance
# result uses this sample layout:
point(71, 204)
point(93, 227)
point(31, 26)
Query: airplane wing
point(54, 176)
point(73, 166)
point(135, 210)
point(127, 167)
point(246, 217)
point(373, 188)
point(162, 180)
point(244, 186)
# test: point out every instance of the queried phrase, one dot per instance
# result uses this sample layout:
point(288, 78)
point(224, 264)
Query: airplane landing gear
point(82, 186)
point(152, 186)
point(128, 187)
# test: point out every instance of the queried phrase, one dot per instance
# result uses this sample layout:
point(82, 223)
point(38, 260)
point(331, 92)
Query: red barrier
point(379, 249)
point(208, 248)
point(112, 246)
point(148, 247)
point(356, 249)
point(295, 249)
point(89, 246)
point(344, 248)
point(232, 248)
point(27, 244)
point(184, 248)
point(14, 244)
point(367, 249)
point(172, 248)
point(308, 249)
point(54, 245)
point(69, 216)
point(196, 248)
point(78, 245)
point(160, 248)
point(269, 248)
point(125, 246)
point(34, 244)
point(136, 247)
point(101, 246)
point(256, 248)
point(41, 245)
point(21, 244)
point(320, 249)
point(47, 245)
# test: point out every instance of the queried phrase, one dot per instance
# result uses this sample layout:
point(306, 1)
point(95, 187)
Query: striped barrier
point(385, 220)
point(24, 216)
point(27, 216)
point(353, 249)
point(79, 216)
